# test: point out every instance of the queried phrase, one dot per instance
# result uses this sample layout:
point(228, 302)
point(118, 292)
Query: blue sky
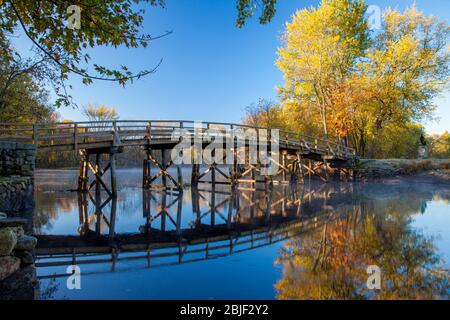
point(211, 70)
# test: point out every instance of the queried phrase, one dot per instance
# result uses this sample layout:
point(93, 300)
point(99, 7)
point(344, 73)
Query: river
point(384, 240)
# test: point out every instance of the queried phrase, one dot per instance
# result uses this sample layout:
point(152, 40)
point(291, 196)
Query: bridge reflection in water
point(333, 233)
point(213, 223)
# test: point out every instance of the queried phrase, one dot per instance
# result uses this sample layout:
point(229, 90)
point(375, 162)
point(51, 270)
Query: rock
point(8, 265)
point(8, 241)
point(22, 285)
point(25, 257)
point(26, 243)
point(12, 222)
point(18, 231)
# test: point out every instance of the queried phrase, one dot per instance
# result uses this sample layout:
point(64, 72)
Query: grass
point(393, 167)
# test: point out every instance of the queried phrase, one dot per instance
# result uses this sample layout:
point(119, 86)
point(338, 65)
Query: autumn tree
point(96, 112)
point(406, 68)
point(397, 141)
point(320, 49)
point(363, 87)
point(263, 113)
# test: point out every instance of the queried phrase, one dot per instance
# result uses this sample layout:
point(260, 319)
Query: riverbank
point(438, 170)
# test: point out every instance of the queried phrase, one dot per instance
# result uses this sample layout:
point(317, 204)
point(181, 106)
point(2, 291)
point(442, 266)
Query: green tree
point(440, 145)
point(102, 23)
point(21, 98)
point(247, 8)
point(397, 141)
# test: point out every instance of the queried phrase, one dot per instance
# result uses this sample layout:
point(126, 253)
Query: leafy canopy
point(320, 49)
point(352, 84)
point(21, 96)
point(110, 23)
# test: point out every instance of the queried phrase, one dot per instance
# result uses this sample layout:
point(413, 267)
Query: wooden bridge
point(296, 156)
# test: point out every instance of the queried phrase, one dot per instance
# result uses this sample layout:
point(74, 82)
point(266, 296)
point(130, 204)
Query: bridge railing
point(85, 134)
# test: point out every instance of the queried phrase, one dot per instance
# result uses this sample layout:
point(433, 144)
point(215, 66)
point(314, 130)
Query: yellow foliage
point(100, 112)
point(344, 84)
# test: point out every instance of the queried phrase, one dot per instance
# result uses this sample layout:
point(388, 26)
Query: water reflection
point(331, 263)
point(326, 236)
point(214, 223)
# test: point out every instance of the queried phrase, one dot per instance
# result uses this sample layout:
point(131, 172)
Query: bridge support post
point(212, 206)
point(194, 175)
point(98, 166)
point(346, 174)
point(300, 166)
point(83, 211)
point(83, 176)
point(294, 171)
point(268, 182)
point(310, 166)
point(98, 170)
point(164, 168)
point(113, 175)
point(234, 167)
point(253, 178)
point(163, 165)
point(284, 163)
point(180, 177)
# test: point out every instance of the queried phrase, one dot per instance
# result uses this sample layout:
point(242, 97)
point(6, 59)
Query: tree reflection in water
point(330, 233)
point(331, 263)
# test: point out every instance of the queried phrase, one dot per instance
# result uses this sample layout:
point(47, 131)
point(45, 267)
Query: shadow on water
point(325, 236)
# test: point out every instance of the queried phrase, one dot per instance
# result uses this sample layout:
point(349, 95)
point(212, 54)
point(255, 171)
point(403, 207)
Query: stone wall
point(16, 194)
point(17, 268)
point(17, 159)
point(17, 163)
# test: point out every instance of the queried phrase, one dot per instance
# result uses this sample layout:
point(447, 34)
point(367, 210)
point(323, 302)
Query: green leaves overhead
point(102, 23)
point(247, 8)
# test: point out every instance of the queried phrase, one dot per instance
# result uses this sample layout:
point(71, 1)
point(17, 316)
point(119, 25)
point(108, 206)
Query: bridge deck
point(158, 134)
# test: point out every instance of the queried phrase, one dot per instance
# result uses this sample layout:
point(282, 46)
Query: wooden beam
point(113, 174)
